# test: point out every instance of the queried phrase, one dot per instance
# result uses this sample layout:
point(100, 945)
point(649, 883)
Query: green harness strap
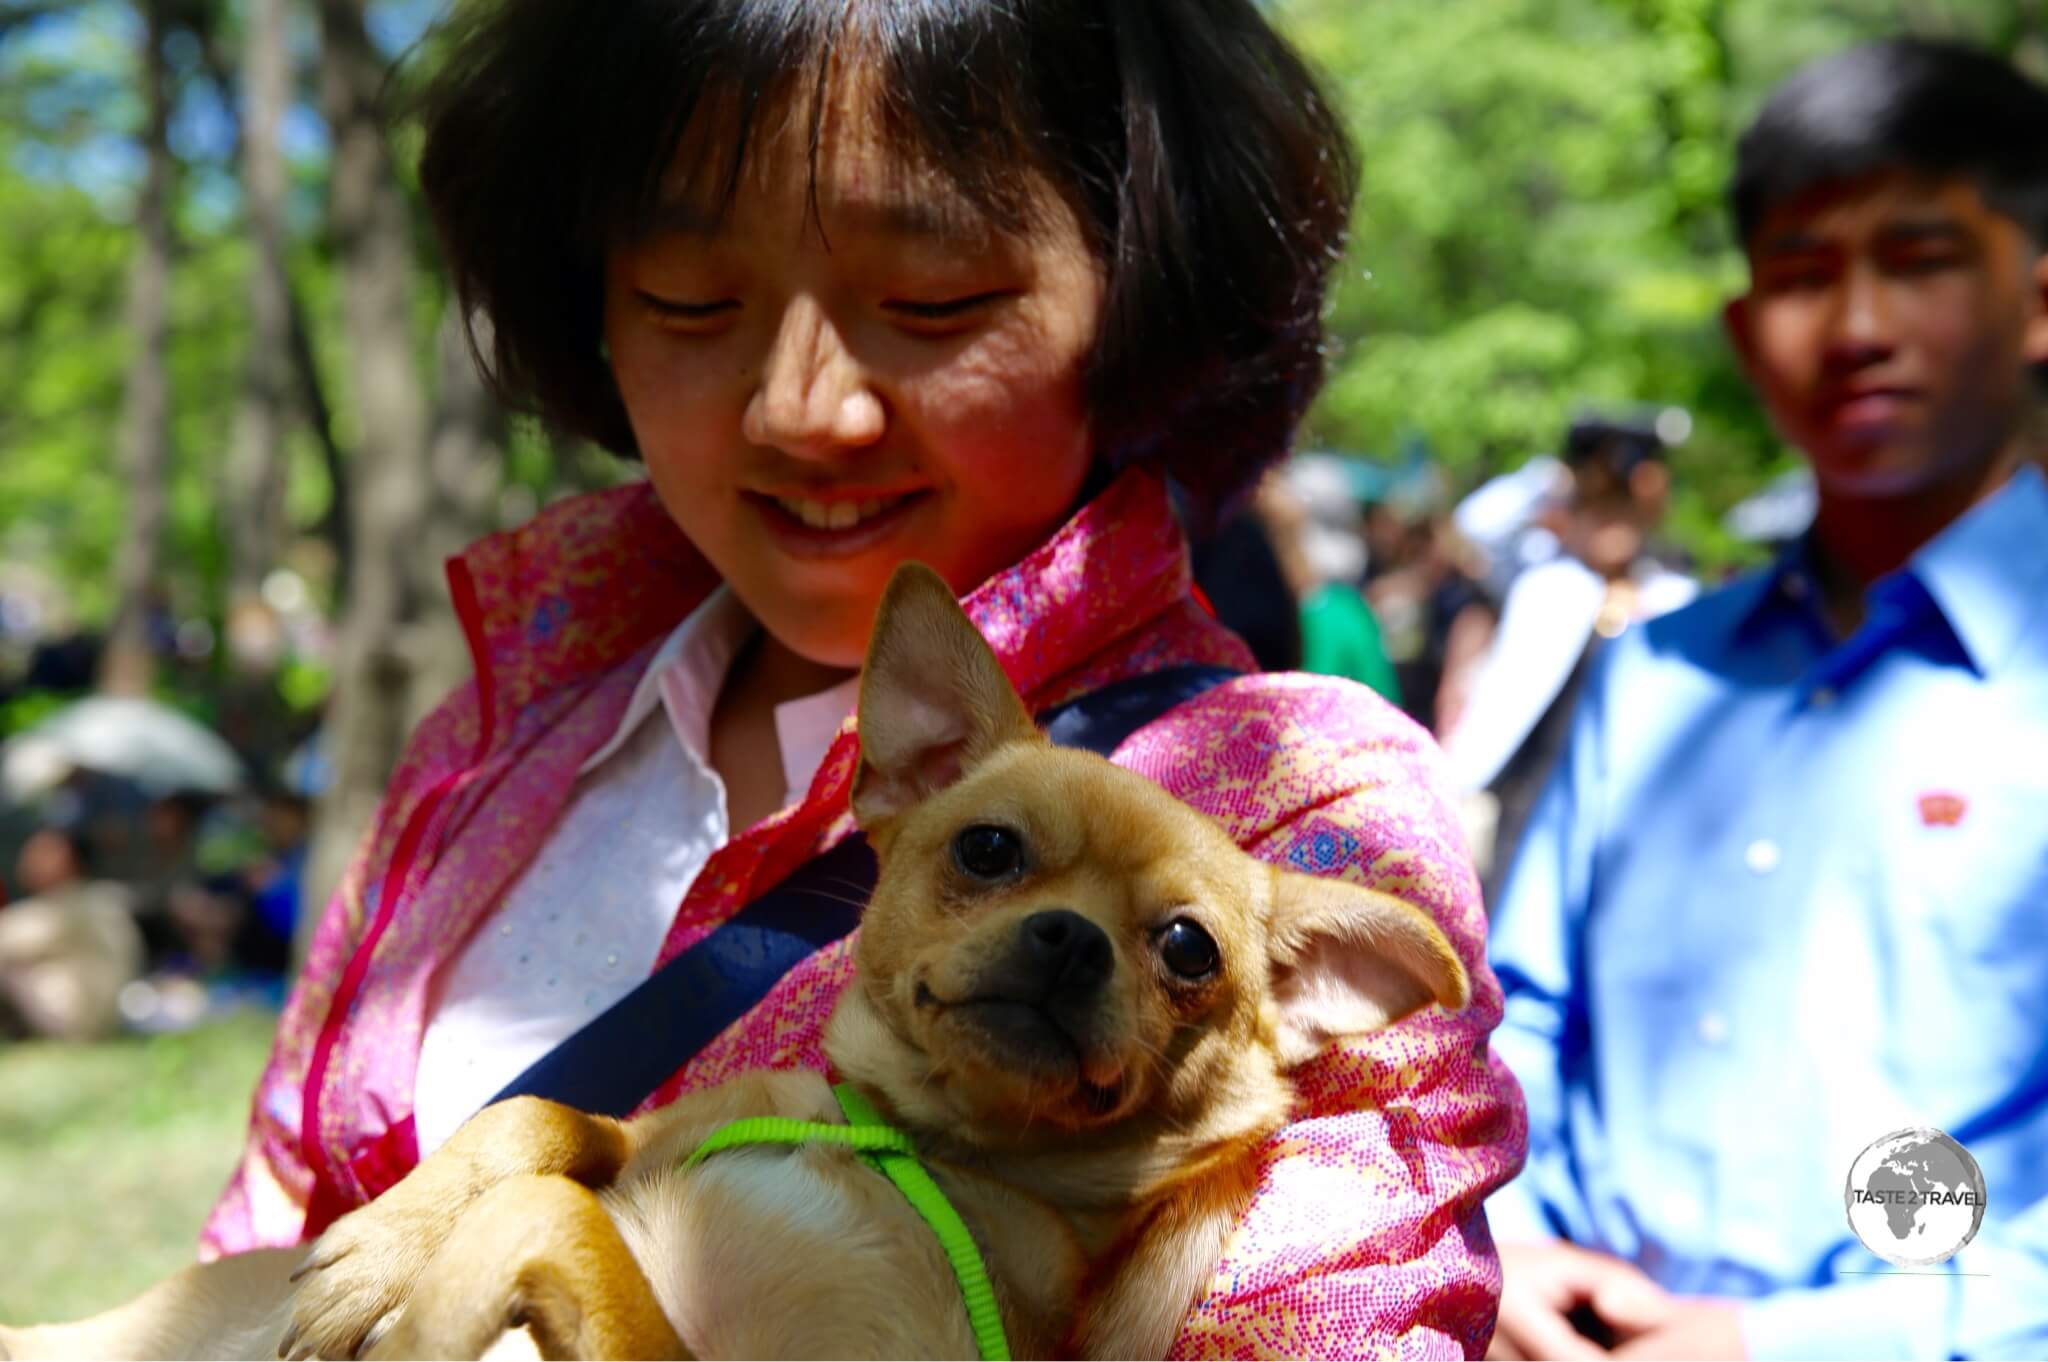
point(891, 1153)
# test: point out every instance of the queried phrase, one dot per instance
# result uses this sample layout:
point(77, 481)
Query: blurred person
point(1784, 894)
point(1513, 520)
point(1237, 569)
point(68, 947)
point(1503, 733)
point(164, 863)
point(1317, 530)
point(1427, 600)
point(275, 883)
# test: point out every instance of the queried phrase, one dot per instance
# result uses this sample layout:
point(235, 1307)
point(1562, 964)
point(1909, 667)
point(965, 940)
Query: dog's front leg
point(364, 1267)
point(537, 1253)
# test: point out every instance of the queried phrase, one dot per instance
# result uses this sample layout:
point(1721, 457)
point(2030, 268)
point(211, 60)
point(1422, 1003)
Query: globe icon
point(1915, 1197)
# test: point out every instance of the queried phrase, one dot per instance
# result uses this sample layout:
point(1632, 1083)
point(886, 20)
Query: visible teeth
point(837, 515)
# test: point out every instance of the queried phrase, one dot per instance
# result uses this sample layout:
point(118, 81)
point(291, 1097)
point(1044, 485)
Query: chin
point(817, 629)
point(1884, 478)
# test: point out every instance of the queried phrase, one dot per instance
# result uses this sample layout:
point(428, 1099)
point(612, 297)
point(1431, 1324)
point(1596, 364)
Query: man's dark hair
point(1616, 443)
point(1213, 181)
point(1933, 108)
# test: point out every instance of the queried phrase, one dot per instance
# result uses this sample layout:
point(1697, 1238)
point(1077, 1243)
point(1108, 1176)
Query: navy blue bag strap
point(629, 1050)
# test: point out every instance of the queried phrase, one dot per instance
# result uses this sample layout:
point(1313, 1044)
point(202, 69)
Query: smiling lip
point(836, 526)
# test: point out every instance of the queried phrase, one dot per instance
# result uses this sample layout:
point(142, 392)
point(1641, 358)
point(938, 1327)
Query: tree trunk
point(372, 706)
point(254, 505)
point(413, 489)
point(129, 664)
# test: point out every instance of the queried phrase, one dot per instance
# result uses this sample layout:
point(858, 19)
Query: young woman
point(962, 281)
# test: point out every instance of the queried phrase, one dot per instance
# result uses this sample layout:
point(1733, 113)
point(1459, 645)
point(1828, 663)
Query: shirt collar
point(686, 674)
point(1986, 572)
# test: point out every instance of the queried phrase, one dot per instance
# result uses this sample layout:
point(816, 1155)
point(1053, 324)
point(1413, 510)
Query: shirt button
point(1713, 1028)
point(1822, 697)
point(1761, 856)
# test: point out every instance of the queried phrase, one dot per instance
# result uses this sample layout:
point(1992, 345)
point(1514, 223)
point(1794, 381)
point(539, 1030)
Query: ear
point(1346, 959)
point(934, 702)
point(2035, 341)
point(1735, 321)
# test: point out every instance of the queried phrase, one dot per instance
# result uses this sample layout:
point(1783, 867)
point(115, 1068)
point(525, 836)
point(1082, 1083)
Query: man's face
point(1889, 327)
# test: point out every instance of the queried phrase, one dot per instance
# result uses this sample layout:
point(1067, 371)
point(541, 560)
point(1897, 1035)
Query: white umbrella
point(154, 745)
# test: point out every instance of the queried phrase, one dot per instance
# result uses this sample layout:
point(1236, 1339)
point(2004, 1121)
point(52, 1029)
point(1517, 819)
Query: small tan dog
point(1074, 992)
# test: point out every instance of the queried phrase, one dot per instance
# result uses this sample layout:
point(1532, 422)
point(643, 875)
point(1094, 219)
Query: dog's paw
point(354, 1280)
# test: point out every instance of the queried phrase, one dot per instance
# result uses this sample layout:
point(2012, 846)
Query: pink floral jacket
point(1366, 1235)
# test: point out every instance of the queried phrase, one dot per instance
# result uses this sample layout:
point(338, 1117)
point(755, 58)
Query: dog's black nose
point(1067, 955)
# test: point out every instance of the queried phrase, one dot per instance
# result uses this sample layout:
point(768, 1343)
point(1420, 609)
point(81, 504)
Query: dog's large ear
point(1347, 959)
point(933, 699)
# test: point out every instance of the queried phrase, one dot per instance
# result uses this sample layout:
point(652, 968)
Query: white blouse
point(581, 926)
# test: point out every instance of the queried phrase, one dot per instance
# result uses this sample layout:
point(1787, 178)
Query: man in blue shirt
point(1788, 890)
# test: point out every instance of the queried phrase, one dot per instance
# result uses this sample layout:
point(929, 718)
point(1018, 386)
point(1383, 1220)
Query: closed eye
point(687, 310)
point(944, 308)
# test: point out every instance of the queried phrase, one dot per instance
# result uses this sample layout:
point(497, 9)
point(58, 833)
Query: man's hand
point(1698, 1327)
point(1543, 1284)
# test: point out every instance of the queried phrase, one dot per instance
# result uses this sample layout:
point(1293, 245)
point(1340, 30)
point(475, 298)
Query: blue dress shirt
point(1784, 895)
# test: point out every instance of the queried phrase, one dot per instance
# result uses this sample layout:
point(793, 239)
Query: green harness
point(890, 1152)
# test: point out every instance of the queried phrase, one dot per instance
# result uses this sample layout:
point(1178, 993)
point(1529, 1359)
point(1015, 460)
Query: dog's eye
point(988, 852)
point(1187, 950)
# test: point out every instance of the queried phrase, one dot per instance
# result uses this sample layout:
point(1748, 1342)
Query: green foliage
point(1541, 227)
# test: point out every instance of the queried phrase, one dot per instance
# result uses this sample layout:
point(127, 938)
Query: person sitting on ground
point(1783, 896)
point(68, 947)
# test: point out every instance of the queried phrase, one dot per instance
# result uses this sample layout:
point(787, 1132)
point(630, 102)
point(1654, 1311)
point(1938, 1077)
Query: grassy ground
point(110, 1155)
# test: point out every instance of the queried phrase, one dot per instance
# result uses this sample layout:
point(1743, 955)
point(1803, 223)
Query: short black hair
point(1933, 108)
point(1616, 443)
point(1213, 179)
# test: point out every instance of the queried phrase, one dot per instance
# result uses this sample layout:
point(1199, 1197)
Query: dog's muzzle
point(1040, 998)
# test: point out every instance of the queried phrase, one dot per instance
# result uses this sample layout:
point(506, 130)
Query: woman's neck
point(769, 673)
point(746, 750)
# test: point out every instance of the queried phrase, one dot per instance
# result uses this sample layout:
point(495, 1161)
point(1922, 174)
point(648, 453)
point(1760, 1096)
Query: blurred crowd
point(1477, 615)
point(132, 901)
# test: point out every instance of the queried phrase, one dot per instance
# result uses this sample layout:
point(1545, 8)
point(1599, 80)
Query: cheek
point(1968, 334)
point(1788, 350)
point(684, 424)
point(1008, 416)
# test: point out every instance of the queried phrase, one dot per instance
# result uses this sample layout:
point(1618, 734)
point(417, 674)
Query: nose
point(1863, 318)
point(814, 398)
point(1067, 957)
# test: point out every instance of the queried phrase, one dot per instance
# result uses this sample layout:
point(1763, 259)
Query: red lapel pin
point(1941, 809)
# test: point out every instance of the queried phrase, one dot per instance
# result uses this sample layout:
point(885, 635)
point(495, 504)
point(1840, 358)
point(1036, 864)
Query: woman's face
point(818, 406)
